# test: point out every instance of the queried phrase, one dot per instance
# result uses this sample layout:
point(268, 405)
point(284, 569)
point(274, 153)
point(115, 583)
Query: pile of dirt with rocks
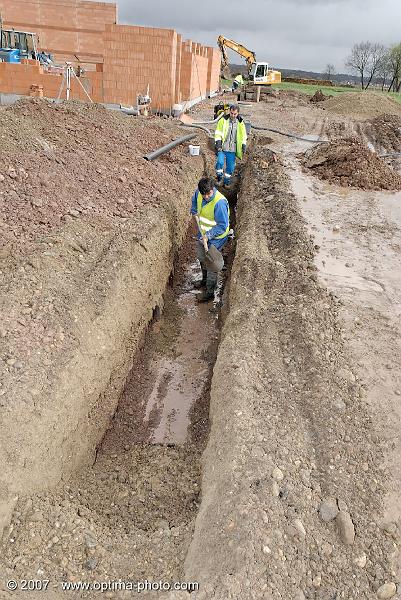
point(60, 162)
point(348, 162)
point(384, 132)
point(318, 96)
point(363, 105)
point(299, 98)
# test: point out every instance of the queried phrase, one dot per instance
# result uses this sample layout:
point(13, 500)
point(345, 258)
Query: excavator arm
point(225, 43)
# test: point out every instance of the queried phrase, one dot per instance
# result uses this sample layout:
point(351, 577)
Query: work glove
point(218, 146)
point(243, 148)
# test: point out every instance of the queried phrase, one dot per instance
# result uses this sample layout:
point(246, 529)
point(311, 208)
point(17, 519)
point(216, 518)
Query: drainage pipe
point(389, 155)
point(291, 135)
point(130, 111)
point(197, 126)
point(170, 146)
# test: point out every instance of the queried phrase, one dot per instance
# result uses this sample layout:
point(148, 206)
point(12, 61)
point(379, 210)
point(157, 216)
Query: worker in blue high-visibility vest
point(230, 143)
point(213, 213)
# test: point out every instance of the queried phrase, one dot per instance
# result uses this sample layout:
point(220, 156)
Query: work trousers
point(209, 270)
point(229, 159)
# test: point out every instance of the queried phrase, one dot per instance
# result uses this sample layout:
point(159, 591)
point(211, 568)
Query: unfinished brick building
point(119, 61)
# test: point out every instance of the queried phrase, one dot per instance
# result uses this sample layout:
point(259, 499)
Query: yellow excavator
point(258, 72)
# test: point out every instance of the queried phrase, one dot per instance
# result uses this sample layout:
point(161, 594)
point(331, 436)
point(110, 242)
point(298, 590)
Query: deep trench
point(131, 514)
point(165, 401)
point(164, 408)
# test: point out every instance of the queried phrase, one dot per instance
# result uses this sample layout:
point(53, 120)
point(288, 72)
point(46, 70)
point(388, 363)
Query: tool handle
point(200, 231)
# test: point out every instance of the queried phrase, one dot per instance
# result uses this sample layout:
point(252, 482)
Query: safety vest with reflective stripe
point(206, 214)
point(223, 126)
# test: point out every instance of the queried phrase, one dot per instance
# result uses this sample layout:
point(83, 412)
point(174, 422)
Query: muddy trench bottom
point(131, 514)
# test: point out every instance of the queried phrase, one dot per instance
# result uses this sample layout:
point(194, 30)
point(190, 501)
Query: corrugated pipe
point(170, 146)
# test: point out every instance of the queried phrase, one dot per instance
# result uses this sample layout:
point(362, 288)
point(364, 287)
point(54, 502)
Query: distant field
point(311, 89)
point(328, 90)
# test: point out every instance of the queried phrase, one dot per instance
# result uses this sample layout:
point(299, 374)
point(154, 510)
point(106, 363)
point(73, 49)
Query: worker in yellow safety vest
point(238, 80)
point(211, 209)
point(230, 143)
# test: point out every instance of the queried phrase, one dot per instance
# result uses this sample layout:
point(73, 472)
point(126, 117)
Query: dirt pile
point(363, 105)
point(384, 132)
point(318, 96)
point(62, 162)
point(298, 98)
point(350, 163)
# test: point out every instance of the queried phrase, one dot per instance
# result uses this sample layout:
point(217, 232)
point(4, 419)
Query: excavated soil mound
point(363, 105)
point(350, 163)
point(62, 162)
point(384, 132)
point(318, 96)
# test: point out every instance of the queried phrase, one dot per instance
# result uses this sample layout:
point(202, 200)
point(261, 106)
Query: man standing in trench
point(212, 212)
point(230, 143)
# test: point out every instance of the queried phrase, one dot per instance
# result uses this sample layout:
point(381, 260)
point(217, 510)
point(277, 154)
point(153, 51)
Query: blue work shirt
point(220, 216)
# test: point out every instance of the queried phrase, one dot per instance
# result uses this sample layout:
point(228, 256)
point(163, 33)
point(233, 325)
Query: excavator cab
point(260, 74)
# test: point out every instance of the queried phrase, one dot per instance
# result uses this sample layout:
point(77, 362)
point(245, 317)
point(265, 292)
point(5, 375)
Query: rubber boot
point(211, 282)
point(200, 283)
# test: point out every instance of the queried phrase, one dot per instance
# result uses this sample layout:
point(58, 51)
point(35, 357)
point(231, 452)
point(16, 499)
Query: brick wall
point(132, 57)
point(213, 73)
point(64, 27)
point(194, 71)
point(18, 79)
point(135, 57)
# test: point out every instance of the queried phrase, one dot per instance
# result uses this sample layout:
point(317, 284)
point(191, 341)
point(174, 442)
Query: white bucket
point(194, 150)
point(177, 110)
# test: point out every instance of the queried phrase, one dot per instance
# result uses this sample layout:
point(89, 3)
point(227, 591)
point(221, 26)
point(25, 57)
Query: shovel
point(214, 260)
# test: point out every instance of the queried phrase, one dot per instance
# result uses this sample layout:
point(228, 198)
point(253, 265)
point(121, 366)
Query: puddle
point(359, 258)
point(165, 399)
point(179, 381)
point(345, 245)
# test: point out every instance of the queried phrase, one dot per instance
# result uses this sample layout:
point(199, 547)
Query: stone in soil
point(345, 527)
point(328, 510)
point(387, 590)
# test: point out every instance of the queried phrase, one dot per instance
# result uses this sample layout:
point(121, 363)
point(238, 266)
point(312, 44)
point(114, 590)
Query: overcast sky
point(300, 34)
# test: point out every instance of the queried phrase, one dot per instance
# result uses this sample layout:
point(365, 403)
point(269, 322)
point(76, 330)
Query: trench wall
point(60, 413)
point(289, 423)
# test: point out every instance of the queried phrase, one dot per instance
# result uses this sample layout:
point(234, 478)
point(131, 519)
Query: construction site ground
point(287, 485)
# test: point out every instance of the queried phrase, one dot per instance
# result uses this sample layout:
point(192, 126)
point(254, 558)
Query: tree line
point(372, 61)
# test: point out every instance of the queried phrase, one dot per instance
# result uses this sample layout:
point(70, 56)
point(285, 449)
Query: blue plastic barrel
point(10, 56)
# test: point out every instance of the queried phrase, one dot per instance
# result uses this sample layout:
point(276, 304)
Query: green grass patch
point(330, 90)
point(326, 89)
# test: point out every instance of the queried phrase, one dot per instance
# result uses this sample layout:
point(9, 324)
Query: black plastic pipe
point(290, 135)
point(170, 146)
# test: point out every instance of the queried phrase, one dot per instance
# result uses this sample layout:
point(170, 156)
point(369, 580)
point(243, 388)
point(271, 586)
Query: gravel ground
point(290, 508)
point(299, 470)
